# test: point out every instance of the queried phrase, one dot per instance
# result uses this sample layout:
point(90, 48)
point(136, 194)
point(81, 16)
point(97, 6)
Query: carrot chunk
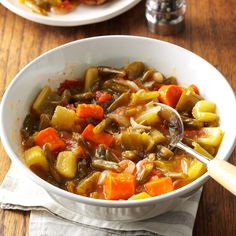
point(170, 94)
point(101, 138)
point(119, 186)
point(49, 136)
point(90, 111)
point(159, 186)
point(102, 97)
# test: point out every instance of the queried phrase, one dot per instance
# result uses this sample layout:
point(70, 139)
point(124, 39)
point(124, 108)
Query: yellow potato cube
point(34, 157)
point(63, 118)
point(66, 164)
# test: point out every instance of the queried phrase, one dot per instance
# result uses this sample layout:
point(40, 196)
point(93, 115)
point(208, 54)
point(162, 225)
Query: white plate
point(82, 15)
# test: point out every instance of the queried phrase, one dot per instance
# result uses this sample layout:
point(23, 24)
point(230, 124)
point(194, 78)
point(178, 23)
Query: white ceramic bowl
point(68, 62)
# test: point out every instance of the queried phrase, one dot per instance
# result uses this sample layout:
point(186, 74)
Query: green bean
point(192, 123)
point(100, 152)
point(106, 165)
point(145, 173)
point(83, 96)
point(135, 70)
point(91, 79)
point(102, 125)
point(110, 156)
point(88, 184)
point(114, 85)
point(122, 100)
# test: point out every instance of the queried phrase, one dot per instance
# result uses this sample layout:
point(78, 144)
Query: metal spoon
point(221, 171)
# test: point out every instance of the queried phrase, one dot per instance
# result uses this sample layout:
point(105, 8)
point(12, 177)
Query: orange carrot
point(159, 186)
point(49, 136)
point(119, 186)
point(90, 111)
point(102, 97)
point(195, 88)
point(101, 138)
point(170, 94)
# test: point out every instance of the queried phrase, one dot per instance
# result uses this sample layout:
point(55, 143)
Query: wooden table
point(210, 32)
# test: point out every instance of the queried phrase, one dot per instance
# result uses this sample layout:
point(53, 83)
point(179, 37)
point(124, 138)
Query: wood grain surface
point(210, 32)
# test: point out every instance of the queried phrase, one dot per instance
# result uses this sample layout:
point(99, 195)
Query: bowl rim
point(98, 202)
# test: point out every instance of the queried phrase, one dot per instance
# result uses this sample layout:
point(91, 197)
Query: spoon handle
point(224, 173)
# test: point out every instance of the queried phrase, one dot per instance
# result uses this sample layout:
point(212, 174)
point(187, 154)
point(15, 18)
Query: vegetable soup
point(103, 135)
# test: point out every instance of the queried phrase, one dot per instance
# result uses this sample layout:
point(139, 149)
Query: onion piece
point(128, 166)
point(103, 176)
point(184, 166)
point(135, 125)
point(132, 85)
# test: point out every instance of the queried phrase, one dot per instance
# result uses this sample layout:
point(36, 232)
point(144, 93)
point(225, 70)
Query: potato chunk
point(212, 137)
point(63, 118)
point(34, 157)
point(66, 164)
point(205, 111)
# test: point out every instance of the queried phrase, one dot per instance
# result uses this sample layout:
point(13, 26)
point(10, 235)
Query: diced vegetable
point(63, 118)
point(116, 86)
point(101, 138)
point(91, 79)
point(205, 111)
point(122, 100)
point(149, 116)
point(106, 165)
point(135, 70)
point(46, 101)
point(137, 141)
point(49, 136)
point(119, 186)
point(157, 136)
point(99, 128)
point(89, 184)
point(164, 152)
point(90, 111)
point(140, 196)
point(196, 167)
point(103, 97)
point(44, 122)
point(130, 155)
point(192, 123)
point(144, 172)
point(187, 100)
point(195, 88)
point(170, 94)
point(213, 136)
point(143, 96)
point(66, 164)
point(159, 186)
point(34, 157)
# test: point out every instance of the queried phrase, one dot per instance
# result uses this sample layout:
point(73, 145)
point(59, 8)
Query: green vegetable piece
point(116, 86)
point(35, 8)
point(192, 123)
point(88, 185)
point(109, 70)
point(143, 97)
point(137, 141)
point(147, 75)
point(80, 97)
point(145, 173)
point(120, 101)
point(91, 79)
point(103, 153)
point(106, 165)
point(46, 102)
point(164, 152)
point(187, 100)
point(135, 70)
point(99, 128)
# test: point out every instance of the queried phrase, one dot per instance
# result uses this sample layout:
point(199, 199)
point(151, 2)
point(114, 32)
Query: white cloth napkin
point(50, 218)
